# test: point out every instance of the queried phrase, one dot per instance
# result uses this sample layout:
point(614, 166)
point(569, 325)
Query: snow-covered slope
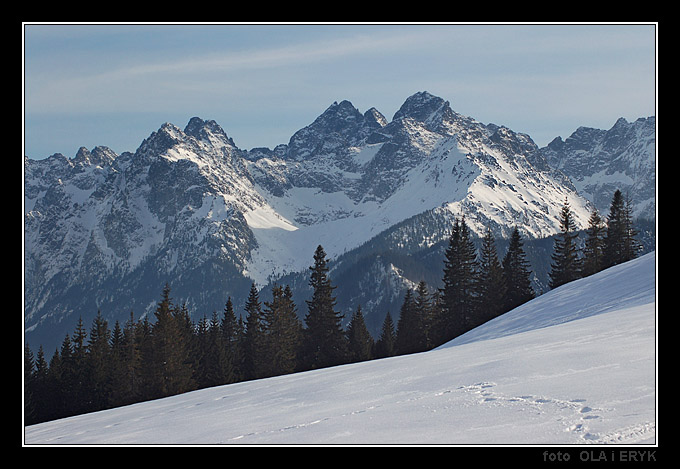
point(574, 366)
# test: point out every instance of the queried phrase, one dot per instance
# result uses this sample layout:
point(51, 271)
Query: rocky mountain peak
point(208, 131)
point(99, 156)
point(426, 108)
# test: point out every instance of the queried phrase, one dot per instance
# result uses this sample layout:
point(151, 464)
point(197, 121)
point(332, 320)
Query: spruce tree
point(231, 340)
point(215, 363)
point(132, 359)
point(631, 246)
point(458, 296)
point(324, 341)
point(359, 339)
point(283, 332)
point(78, 398)
point(147, 366)
point(517, 273)
point(620, 244)
point(594, 246)
point(424, 309)
point(200, 353)
point(566, 264)
point(42, 397)
point(98, 364)
point(64, 378)
point(172, 370)
point(254, 340)
point(29, 369)
point(384, 346)
point(119, 393)
point(411, 336)
point(491, 281)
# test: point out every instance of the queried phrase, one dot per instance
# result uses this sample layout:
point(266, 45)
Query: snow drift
point(576, 365)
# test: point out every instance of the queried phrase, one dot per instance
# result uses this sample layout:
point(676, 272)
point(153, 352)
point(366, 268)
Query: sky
point(114, 84)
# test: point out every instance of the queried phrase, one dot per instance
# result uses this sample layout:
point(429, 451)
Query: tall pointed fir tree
point(128, 390)
point(78, 398)
point(566, 265)
point(283, 332)
point(217, 366)
point(117, 367)
point(324, 341)
point(631, 246)
point(458, 296)
point(172, 370)
point(491, 281)
point(29, 367)
point(359, 339)
point(517, 273)
point(147, 367)
point(231, 340)
point(98, 361)
point(40, 389)
point(411, 336)
point(384, 346)
point(254, 340)
point(620, 244)
point(424, 307)
point(594, 246)
point(64, 377)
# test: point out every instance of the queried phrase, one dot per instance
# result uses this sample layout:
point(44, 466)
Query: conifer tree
point(78, 397)
point(324, 341)
point(58, 400)
point(147, 367)
point(231, 340)
point(631, 246)
point(411, 336)
point(64, 377)
point(424, 309)
point(132, 358)
point(125, 363)
point(517, 273)
point(458, 296)
point(215, 366)
point(620, 244)
point(254, 340)
point(283, 332)
point(118, 393)
point(29, 370)
point(384, 346)
point(173, 374)
point(491, 281)
point(359, 339)
point(594, 246)
point(42, 398)
point(566, 264)
point(200, 353)
point(98, 361)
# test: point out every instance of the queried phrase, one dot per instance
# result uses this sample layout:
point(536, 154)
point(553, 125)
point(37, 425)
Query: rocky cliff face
point(600, 161)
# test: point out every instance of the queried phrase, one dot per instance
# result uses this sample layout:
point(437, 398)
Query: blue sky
point(114, 84)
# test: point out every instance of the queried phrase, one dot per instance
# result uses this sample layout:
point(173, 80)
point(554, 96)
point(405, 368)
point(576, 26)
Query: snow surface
point(576, 365)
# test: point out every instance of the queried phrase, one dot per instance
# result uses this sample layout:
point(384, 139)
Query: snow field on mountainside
point(576, 365)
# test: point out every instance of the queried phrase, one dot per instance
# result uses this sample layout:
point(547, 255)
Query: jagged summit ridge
point(601, 161)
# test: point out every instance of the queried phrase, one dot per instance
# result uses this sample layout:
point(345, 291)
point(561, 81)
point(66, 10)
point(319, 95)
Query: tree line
point(140, 360)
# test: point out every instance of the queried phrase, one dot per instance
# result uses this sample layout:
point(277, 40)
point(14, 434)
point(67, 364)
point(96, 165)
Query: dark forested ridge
point(148, 358)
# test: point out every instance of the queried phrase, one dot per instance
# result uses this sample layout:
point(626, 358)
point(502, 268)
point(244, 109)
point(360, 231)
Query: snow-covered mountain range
point(106, 232)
